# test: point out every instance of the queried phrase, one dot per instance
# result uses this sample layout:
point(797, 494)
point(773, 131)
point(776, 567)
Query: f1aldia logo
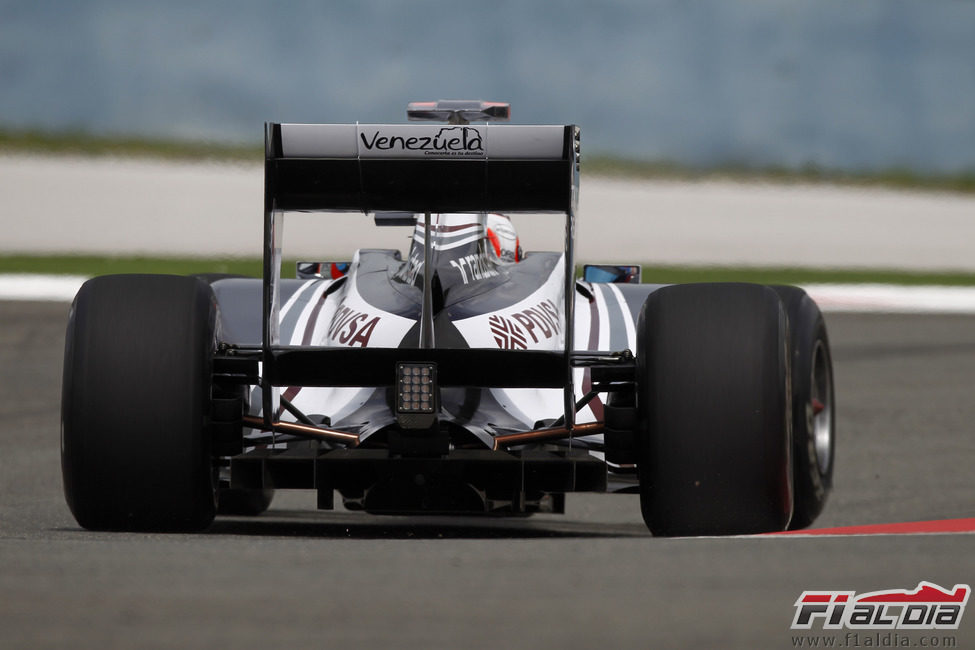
point(929, 607)
point(449, 141)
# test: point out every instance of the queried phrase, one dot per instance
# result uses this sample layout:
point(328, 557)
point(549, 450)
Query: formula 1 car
point(466, 377)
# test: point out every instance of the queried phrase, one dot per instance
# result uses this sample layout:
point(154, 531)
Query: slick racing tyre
point(135, 400)
point(814, 417)
point(713, 406)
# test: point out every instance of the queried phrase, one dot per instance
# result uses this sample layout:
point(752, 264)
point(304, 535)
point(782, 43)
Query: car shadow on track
point(352, 526)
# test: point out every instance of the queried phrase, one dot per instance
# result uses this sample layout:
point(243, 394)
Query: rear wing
point(420, 168)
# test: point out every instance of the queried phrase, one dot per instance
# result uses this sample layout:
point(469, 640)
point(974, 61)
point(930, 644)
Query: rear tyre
point(135, 450)
point(814, 417)
point(247, 503)
point(713, 406)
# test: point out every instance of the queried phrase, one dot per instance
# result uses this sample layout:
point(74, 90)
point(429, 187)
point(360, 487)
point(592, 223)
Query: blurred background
point(668, 94)
point(870, 86)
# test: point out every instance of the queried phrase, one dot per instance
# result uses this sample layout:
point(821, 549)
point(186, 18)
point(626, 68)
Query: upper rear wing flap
point(421, 167)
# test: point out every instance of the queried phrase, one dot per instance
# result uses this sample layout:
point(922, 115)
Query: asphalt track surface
point(297, 577)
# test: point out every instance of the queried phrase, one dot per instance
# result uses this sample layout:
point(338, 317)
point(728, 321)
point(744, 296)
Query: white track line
point(25, 286)
point(887, 298)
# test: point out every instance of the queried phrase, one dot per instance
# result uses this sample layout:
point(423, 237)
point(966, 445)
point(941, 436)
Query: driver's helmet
point(503, 239)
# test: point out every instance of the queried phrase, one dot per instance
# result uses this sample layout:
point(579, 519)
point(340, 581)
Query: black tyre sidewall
point(807, 328)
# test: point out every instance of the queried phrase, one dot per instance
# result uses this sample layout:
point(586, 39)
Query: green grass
point(894, 178)
point(86, 144)
point(91, 265)
point(778, 275)
point(82, 143)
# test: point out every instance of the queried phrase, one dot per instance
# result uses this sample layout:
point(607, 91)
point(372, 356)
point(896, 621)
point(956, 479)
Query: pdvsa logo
point(928, 607)
point(507, 334)
point(540, 322)
point(352, 328)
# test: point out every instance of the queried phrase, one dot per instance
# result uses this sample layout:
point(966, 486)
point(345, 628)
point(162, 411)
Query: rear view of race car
point(467, 377)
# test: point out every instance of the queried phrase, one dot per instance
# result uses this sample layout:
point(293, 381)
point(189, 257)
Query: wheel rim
point(821, 408)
